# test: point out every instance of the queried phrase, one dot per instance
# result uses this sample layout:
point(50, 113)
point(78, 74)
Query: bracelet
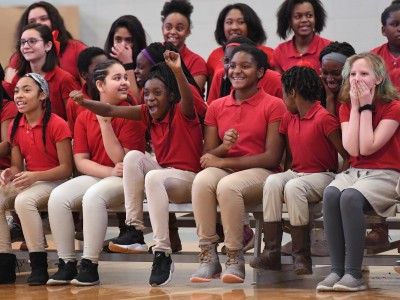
point(129, 66)
point(366, 107)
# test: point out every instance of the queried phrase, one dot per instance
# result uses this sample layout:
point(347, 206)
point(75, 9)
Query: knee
point(351, 201)
point(152, 179)
point(293, 190)
point(24, 203)
point(225, 187)
point(272, 183)
point(331, 198)
point(132, 156)
point(56, 199)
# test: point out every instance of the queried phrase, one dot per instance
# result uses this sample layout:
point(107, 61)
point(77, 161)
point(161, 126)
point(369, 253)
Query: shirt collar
point(253, 101)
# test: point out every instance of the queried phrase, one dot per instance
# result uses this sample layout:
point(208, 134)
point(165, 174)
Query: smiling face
point(243, 72)
point(114, 89)
point(234, 24)
point(27, 96)
point(176, 29)
point(302, 20)
point(39, 15)
point(37, 50)
point(392, 29)
point(156, 98)
point(331, 74)
point(143, 66)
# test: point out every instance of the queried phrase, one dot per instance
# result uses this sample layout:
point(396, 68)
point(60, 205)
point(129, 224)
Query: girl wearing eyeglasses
point(36, 53)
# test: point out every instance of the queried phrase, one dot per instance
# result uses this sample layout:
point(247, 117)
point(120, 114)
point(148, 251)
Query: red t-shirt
point(178, 145)
point(9, 111)
point(249, 118)
point(392, 63)
point(312, 151)
point(271, 83)
point(286, 55)
point(29, 140)
point(88, 138)
point(68, 60)
point(60, 82)
point(388, 156)
point(214, 60)
point(194, 62)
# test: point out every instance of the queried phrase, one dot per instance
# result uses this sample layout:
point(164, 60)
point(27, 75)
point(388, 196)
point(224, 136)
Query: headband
point(147, 55)
point(232, 44)
point(335, 56)
point(41, 81)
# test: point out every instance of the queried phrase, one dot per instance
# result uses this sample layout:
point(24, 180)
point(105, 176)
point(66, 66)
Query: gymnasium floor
point(120, 280)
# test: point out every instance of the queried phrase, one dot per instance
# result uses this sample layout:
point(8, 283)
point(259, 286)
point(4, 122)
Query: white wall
point(354, 21)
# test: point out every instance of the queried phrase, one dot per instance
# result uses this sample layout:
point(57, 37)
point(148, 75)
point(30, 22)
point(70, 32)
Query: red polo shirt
point(392, 63)
point(311, 149)
point(214, 60)
point(88, 138)
point(286, 55)
point(29, 140)
point(194, 62)
point(271, 83)
point(249, 118)
point(9, 111)
point(178, 145)
point(388, 156)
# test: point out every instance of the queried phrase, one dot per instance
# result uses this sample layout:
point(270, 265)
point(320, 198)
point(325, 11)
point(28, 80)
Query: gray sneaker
point(234, 267)
point(327, 284)
point(210, 268)
point(350, 284)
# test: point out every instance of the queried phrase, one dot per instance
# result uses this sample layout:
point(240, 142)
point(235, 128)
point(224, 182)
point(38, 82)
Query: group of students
point(129, 98)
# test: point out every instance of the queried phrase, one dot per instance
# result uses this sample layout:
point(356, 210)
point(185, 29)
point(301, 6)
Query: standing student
point(306, 19)
point(242, 147)
point(125, 39)
point(390, 51)
point(36, 53)
point(100, 145)
point(171, 118)
point(40, 161)
point(176, 27)
point(237, 19)
point(68, 48)
point(221, 86)
point(308, 172)
point(370, 118)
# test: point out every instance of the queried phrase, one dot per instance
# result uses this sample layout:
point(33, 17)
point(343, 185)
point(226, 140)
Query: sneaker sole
point(121, 249)
point(58, 282)
point(230, 278)
point(169, 278)
point(397, 269)
point(343, 288)
point(203, 280)
point(79, 283)
point(382, 247)
point(324, 288)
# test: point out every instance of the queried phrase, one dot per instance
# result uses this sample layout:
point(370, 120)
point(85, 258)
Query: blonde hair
point(385, 91)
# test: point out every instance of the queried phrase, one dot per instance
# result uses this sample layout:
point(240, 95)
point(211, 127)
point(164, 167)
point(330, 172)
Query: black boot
point(174, 238)
point(8, 262)
point(270, 258)
point(301, 250)
point(39, 274)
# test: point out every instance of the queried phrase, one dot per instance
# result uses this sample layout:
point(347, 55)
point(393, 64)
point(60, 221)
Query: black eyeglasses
point(225, 60)
point(31, 42)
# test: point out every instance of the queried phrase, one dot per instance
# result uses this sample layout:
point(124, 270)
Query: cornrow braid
point(303, 80)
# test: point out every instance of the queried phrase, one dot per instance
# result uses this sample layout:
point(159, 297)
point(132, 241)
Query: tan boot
point(301, 250)
point(270, 258)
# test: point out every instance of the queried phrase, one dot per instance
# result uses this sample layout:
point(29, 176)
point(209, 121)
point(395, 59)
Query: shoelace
point(232, 257)
point(205, 255)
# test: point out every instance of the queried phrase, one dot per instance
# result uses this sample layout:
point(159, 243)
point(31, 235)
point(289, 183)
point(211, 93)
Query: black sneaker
point(87, 275)
point(66, 272)
point(16, 232)
point(162, 269)
point(131, 241)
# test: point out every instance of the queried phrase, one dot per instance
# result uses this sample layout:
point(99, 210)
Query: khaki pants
point(162, 185)
point(231, 191)
point(297, 190)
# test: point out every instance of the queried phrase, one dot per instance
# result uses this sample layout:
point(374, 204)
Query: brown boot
point(301, 250)
point(174, 238)
point(378, 237)
point(270, 258)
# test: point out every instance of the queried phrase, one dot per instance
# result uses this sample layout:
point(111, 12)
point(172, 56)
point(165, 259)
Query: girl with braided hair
point(307, 173)
point(174, 127)
point(43, 140)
